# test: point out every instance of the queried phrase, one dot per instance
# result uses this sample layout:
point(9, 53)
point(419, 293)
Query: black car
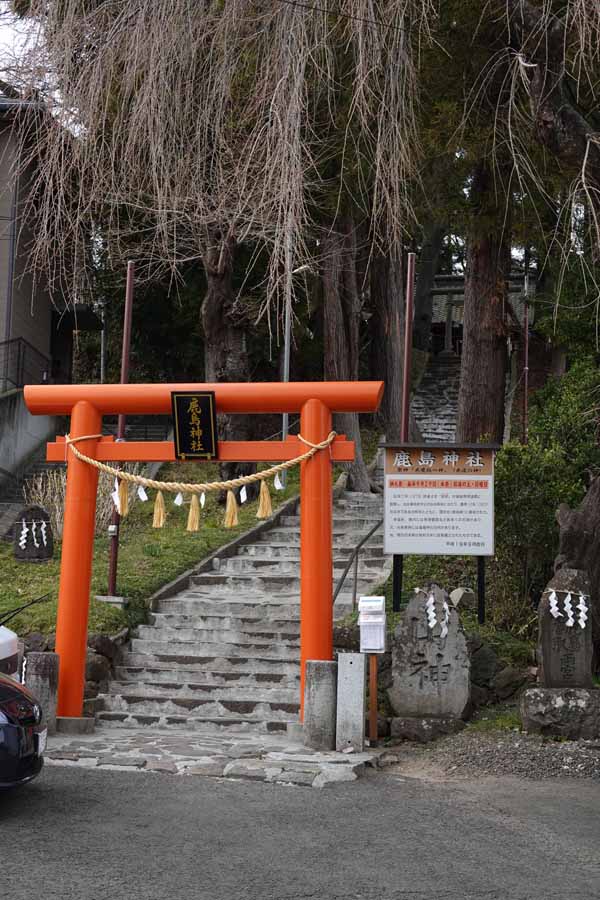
point(22, 734)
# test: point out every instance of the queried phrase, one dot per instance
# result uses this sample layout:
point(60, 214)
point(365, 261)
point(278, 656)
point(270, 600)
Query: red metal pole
point(526, 374)
point(373, 723)
point(116, 518)
point(408, 332)
point(398, 560)
point(316, 566)
point(76, 562)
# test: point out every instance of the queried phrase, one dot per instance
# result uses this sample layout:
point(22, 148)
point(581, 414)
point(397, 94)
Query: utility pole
point(116, 518)
point(287, 341)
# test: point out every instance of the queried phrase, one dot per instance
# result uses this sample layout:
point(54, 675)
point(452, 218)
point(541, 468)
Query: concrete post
point(320, 696)
point(41, 677)
point(351, 708)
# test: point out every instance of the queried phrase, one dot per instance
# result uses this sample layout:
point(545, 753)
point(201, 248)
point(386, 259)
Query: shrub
point(533, 480)
point(47, 489)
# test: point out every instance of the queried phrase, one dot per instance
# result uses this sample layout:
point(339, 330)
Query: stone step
point(353, 519)
point(263, 585)
point(233, 725)
point(213, 692)
point(245, 565)
point(252, 580)
point(186, 633)
point(202, 604)
point(240, 624)
point(200, 676)
point(341, 536)
point(262, 649)
point(282, 550)
point(189, 658)
point(167, 705)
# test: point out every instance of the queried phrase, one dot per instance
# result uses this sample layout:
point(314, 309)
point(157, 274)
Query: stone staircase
point(435, 403)
point(223, 654)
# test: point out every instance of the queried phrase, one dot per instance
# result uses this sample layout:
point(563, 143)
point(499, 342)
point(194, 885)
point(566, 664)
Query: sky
point(13, 35)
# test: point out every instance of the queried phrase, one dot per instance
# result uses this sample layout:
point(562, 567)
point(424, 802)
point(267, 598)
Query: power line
point(342, 15)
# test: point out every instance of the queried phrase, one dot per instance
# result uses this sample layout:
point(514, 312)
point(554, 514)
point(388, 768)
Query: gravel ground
point(497, 753)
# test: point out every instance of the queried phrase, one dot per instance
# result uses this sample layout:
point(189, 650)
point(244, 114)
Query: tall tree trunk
point(485, 360)
point(226, 359)
point(387, 342)
point(341, 326)
point(428, 267)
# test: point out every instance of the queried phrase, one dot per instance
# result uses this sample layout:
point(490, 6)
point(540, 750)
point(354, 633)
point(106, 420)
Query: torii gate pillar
point(86, 404)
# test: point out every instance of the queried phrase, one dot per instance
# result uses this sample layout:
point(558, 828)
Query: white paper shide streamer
point(554, 610)
point(277, 483)
point(243, 494)
point(141, 492)
point(445, 620)
point(583, 611)
point(178, 501)
point(36, 543)
point(115, 497)
point(569, 611)
point(44, 529)
point(23, 535)
point(430, 610)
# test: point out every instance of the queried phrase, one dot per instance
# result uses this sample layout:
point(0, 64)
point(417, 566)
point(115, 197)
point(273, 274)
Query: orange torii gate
point(88, 403)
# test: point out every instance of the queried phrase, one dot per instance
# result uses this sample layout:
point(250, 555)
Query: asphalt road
point(107, 835)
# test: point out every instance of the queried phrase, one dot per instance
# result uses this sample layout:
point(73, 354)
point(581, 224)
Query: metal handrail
point(354, 559)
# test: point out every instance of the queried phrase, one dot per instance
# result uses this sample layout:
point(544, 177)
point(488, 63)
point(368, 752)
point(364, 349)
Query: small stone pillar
point(352, 672)
point(320, 702)
point(41, 677)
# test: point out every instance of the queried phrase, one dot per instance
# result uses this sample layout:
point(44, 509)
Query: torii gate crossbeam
point(87, 404)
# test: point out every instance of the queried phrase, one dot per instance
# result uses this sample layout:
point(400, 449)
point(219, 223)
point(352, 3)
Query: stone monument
point(430, 668)
point(565, 703)
point(565, 632)
point(33, 539)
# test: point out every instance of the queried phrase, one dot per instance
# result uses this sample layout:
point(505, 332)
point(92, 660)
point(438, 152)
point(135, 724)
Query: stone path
point(272, 758)
point(435, 403)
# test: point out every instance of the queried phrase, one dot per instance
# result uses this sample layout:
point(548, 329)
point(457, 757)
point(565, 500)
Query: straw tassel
point(193, 522)
point(231, 511)
point(123, 498)
point(265, 508)
point(159, 511)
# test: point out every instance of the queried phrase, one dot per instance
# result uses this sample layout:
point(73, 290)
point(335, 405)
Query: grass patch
point(498, 718)
point(148, 557)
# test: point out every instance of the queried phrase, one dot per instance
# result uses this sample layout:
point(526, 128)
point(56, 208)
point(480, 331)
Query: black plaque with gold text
point(195, 425)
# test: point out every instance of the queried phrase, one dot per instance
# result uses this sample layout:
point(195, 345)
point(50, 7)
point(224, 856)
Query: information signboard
point(439, 500)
